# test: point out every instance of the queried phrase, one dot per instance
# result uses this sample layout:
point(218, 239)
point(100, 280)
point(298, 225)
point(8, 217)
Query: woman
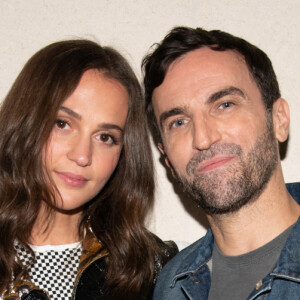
point(76, 180)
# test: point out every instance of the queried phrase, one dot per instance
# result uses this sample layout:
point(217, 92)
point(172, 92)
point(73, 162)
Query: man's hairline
point(237, 53)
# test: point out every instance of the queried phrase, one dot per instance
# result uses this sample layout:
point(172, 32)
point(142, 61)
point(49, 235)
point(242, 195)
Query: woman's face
point(86, 140)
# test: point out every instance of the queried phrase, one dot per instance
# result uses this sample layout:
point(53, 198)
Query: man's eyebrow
point(222, 93)
point(70, 112)
point(167, 114)
point(212, 98)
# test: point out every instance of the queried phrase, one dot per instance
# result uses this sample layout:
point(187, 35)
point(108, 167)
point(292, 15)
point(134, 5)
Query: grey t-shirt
point(234, 277)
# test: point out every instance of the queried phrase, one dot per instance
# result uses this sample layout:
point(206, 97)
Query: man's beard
point(226, 190)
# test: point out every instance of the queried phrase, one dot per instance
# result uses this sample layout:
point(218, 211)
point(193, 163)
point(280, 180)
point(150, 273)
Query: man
point(215, 108)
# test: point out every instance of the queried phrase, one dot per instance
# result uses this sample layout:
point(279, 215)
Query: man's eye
point(177, 123)
point(61, 124)
point(226, 105)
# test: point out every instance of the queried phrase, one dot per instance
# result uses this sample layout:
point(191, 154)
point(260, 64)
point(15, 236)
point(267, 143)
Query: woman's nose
point(81, 151)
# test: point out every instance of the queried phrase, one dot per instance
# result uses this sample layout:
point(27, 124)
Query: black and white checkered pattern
point(55, 267)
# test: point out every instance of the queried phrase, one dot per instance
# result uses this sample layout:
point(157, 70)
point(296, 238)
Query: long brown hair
point(117, 214)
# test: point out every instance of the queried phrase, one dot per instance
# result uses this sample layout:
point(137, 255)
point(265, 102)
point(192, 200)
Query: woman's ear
point(167, 162)
point(281, 119)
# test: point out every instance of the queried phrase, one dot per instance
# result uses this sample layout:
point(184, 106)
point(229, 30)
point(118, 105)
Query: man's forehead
point(205, 57)
point(205, 66)
point(201, 76)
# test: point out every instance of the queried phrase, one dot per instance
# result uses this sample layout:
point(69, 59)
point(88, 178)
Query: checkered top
point(54, 269)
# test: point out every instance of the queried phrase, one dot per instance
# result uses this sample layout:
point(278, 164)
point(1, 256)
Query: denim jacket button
point(197, 280)
point(258, 285)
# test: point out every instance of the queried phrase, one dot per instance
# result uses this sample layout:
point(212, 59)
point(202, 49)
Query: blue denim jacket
point(187, 275)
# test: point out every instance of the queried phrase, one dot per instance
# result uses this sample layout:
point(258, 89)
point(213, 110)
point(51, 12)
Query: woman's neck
point(62, 229)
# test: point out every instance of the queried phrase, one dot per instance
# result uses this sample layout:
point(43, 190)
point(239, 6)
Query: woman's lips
point(72, 179)
point(214, 163)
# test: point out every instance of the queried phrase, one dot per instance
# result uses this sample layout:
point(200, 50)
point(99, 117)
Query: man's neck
point(258, 222)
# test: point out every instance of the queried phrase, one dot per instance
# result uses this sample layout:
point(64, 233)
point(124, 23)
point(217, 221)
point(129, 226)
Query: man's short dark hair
point(182, 40)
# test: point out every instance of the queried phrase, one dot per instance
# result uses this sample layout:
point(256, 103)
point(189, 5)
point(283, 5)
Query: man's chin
point(220, 209)
point(218, 199)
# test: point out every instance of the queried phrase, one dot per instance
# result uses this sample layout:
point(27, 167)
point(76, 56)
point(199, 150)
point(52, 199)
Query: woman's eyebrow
point(70, 112)
point(111, 126)
point(101, 125)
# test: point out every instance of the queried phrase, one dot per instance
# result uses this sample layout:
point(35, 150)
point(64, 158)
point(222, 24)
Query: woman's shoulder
point(168, 250)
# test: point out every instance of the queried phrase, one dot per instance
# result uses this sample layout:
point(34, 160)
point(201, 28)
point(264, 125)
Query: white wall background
point(132, 26)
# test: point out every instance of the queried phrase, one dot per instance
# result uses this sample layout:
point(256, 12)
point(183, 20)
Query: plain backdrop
point(132, 26)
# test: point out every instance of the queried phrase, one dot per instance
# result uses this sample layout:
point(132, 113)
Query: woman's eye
point(61, 124)
point(106, 138)
point(226, 105)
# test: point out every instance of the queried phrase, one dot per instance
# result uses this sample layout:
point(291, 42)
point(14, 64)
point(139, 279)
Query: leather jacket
point(90, 280)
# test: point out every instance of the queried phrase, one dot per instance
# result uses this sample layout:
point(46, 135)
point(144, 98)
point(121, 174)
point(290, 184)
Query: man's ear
point(281, 119)
point(167, 162)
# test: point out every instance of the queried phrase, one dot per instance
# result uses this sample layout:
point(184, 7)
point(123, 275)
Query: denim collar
point(288, 264)
point(199, 254)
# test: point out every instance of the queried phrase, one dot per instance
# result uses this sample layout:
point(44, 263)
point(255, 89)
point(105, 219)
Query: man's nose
point(81, 151)
point(205, 133)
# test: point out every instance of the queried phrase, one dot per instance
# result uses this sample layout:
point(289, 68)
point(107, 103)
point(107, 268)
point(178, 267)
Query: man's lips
point(72, 179)
point(214, 163)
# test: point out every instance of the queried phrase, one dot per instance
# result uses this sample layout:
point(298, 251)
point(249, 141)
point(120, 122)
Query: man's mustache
point(215, 149)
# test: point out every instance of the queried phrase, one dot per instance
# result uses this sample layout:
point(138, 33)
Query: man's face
point(216, 135)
